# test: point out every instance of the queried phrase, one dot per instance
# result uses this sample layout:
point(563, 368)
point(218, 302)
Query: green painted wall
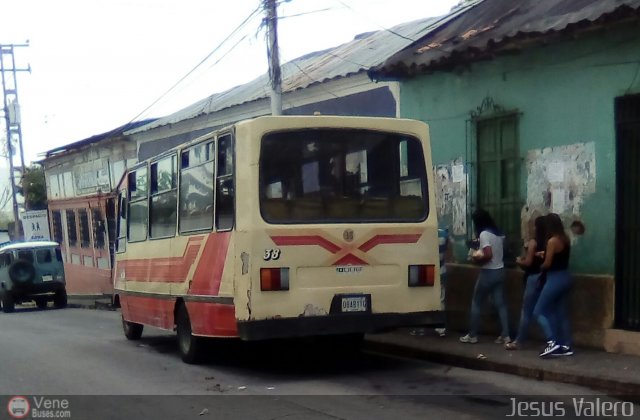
point(565, 93)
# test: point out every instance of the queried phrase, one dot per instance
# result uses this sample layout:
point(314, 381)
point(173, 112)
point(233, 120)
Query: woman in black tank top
point(530, 263)
point(552, 307)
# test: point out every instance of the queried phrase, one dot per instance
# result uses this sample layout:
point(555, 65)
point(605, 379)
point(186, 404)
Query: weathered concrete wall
point(451, 196)
point(591, 305)
point(563, 95)
point(89, 170)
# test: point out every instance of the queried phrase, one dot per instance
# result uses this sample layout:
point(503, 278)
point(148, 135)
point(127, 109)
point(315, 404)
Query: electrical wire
point(315, 80)
point(383, 27)
point(327, 9)
point(238, 28)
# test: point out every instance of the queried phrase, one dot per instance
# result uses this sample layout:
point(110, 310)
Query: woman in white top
point(492, 276)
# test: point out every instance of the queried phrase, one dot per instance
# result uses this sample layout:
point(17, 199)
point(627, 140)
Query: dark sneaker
point(551, 348)
point(563, 351)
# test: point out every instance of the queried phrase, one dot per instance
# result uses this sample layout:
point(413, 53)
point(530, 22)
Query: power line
point(326, 9)
point(238, 28)
point(383, 27)
point(315, 80)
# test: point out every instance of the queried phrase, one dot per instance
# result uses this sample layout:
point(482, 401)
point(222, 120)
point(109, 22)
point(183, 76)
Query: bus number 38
point(271, 254)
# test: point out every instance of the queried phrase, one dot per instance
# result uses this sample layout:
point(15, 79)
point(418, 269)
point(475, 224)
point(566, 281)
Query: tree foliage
point(33, 184)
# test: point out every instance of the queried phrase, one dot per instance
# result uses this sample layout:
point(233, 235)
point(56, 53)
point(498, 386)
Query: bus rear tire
point(190, 346)
point(132, 330)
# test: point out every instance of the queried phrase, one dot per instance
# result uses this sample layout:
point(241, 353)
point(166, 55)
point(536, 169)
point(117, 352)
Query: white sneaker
point(442, 332)
point(468, 339)
point(551, 348)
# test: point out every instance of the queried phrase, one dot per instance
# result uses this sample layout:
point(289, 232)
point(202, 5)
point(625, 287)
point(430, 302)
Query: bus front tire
point(190, 346)
point(132, 330)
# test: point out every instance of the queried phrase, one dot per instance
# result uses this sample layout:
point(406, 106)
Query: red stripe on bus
point(208, 274)
point(306, 240)
point(148, 310)
point(350, 259)
point(390, 239)
point(167, 269)
point(212, 319)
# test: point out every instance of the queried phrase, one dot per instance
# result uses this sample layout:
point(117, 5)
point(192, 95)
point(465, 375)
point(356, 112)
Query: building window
point(138, 205)
point(196, 188)
point(164, 198)
point(56, 223)
point(72, 230)
point(99, 229)
point(498, 182)
point(85, 238)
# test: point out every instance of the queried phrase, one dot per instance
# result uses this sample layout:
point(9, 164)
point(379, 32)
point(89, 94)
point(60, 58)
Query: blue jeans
point(529, 300)
point(490, 282)
point(551, 311)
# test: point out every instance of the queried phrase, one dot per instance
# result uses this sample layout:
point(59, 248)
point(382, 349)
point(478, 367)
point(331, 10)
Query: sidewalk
point(611, 373)
point(607, 372)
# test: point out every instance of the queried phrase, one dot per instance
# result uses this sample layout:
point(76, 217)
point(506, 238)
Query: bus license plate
point(354, 304)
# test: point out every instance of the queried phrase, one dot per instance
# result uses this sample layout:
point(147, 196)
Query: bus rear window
point(342, 175)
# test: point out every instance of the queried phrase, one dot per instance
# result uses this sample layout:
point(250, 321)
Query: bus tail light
point(274, 279)
point(421, 275)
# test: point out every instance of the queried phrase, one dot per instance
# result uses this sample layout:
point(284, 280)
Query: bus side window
point(225, 194)
point(138, 212)
point(121, 243)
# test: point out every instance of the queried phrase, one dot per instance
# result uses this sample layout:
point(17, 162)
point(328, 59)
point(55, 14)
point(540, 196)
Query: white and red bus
point(281, 227)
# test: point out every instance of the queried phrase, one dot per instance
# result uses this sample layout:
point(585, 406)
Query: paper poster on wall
point(558, 203)
point(457, 173)
point(555, 172)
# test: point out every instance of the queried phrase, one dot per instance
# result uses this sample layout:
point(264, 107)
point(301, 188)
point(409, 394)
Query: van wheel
point(60, 299)
point(41, 303)
point(132, 330)
point(8, 303)
point(190, 346)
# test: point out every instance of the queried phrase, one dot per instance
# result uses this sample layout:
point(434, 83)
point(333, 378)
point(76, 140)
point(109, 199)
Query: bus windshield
point(342, 175)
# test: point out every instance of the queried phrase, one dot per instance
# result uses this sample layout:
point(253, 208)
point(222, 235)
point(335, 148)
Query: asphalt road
point(81, 356)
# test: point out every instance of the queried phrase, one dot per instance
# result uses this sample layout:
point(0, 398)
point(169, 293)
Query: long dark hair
point(555, 227)
point(540, 234)
point(482, 221)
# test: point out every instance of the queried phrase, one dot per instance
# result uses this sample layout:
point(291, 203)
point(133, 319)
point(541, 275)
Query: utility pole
point(273, 53)
point(11, 108)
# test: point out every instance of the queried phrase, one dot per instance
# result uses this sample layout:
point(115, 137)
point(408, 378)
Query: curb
point(610, 386)
point(90, 304)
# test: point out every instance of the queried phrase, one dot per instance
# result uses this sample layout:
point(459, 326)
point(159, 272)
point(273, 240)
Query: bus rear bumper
point(334, 324)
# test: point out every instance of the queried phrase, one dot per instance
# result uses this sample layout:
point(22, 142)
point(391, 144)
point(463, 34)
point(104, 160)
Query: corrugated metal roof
point(365, 51)
point(116, 132)
point(499, 25)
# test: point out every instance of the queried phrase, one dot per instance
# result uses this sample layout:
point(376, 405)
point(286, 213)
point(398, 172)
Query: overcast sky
point(99, 64)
